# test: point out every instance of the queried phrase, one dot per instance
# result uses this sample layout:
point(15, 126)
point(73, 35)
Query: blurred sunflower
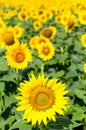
point(58, 19)
point(71, 22)
point(48, 32)
point(36, 41)
point(37, 25)
point(43, 98)
point(83, 39)
point(33, 41)
point(7, 37)
point(17, 31)
point(18, 56)
point(46, 51)
point(82, 17)
point(23, 15)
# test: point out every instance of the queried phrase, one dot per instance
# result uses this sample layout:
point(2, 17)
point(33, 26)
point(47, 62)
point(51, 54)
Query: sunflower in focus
point(18, 56)
point(83, 40)
point(43, 98)
point(48, 32)
point(46, 51)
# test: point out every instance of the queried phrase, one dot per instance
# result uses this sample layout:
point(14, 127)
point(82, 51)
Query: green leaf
point(3, 64)
point(9, 100)
point(60, 73)
point(60, 124)
point(81, 94)
point(10, 120)
point(21, 124)
point(78, 115)
point(2, 123)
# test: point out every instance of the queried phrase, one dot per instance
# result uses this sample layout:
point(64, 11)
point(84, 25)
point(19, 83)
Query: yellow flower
point(9, 13)
point(48, 32)
point(41, 99)
point(70, 23)
point(85, 67)
point(82, 17)
point(58, 19)
point(7, 38)
point(33, 41)
point(23, 15)
point(83, 40)
point(17, 31)
point(46, 51)
point(37, 25)
point(37, 40)
point(18, 56)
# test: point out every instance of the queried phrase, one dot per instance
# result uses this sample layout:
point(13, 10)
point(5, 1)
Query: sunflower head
point(48, 32)
point(46, 51)
point(18, 56)
point(17, 31)
point(42, 97)
point(23, 15)
point(7, 37)
point(82, 17)
point(71, 23)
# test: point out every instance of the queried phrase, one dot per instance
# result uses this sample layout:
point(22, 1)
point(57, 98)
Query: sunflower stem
point(42, 68)
point(42, 126)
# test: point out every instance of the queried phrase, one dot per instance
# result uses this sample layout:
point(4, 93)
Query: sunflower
point(46, 51)
point(58, 19)
point(18, 56)
point(83, 40)
point(71, 23)
point(37, 25)
point(48, 32)
point(7, 37)
point(82, 17)
point(41, 98)
point(36, 41)
point(17, 31)
point(23, 15)
point(33, 41)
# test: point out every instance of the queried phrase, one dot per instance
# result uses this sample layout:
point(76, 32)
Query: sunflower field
point(43, 65)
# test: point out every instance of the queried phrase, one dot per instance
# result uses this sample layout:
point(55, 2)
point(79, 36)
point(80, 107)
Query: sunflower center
point(23, 16)
point(47, 33)
point(84, 17)
point(42, 98)
point(46, 50)
point(19, 56)
point(8, 38)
